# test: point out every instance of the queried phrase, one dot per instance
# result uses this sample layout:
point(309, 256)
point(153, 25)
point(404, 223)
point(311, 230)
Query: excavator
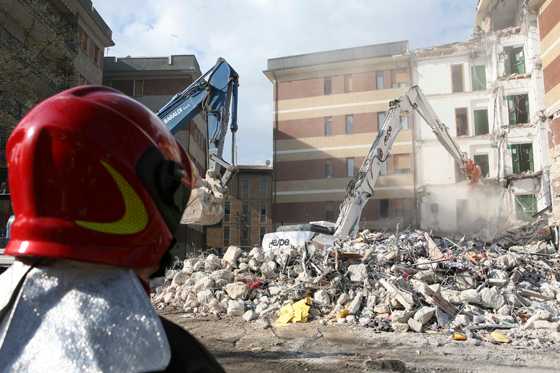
point(362, 187)
point(212, 98)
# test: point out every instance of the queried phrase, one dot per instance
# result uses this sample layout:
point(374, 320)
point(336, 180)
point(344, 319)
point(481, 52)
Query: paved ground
point(244, 347)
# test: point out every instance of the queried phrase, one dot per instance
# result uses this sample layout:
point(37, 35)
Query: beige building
point(247, 211)
point(154, 81)
point(328, 107)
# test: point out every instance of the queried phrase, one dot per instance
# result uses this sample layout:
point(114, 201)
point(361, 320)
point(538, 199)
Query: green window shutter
point(515, 158)
point(478, 76)
point(519, 60)
point(511, 110)
point(480, 122)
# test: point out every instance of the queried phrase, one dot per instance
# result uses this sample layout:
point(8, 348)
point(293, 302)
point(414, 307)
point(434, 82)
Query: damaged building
point(328, 109)
point(489, 92)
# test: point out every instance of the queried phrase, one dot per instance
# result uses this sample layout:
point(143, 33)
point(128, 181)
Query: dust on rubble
point(410, 282)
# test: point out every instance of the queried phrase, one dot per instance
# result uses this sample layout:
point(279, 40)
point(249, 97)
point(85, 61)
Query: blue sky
point(248, 32)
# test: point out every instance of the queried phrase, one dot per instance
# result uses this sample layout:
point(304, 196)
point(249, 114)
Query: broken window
point(263, 213)
point(457, 78)
point(328, 169)
point(404, 122)
point(226, 236)
point(482, 161)
point(327, 87)
point(514, 60)
point(462, 122)
point(227, 210)
point(525, 206)
point(384, 208)
point(518, 109)
point(379, 80)
point(347, 83)
point(522, 158)
point(349, 124)
point(481, 122)
point(478, 77)
point(350, 167)
point(380, 120)
point(328, 126)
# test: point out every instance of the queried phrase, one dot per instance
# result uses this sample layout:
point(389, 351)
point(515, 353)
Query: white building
point(489, 92)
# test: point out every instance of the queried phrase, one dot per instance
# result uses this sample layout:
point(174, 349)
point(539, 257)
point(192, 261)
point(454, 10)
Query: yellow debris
point(499, 337)
point(459, 336)
point(342, 313)
point(296, 312)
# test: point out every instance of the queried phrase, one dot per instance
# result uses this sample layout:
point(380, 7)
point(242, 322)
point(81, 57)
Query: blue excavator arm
point(213, 97)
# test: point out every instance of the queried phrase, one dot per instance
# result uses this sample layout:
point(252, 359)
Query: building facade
point(153, 81)
point(488, 91)
point(328, 107)
point(548, 12)
point(39, 57)
point(248, 210)
point(94, 35)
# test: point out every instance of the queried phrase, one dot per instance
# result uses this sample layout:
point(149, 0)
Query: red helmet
point(95, 176)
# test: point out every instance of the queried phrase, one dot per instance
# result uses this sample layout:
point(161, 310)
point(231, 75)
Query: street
point(245, 347)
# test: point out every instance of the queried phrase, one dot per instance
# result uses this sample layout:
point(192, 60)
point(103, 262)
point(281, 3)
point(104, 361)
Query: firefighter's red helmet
point(95, 176)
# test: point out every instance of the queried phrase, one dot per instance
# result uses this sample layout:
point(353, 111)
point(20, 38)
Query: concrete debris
point(406, 282)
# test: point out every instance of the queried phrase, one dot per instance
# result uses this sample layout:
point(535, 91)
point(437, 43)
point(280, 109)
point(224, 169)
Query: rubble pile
point(389, 282)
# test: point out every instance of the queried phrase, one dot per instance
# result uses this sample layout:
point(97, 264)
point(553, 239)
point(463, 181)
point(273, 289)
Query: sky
point(248, 32)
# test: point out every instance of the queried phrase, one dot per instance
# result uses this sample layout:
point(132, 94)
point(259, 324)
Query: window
point(83, 41)
point(349, 124)
point(478, 77)
point(327, 86)
point(244, 187)
point(328, 126)
point(263, 232)
point(246, 213)
point(264, 184)
point(350, 167)
point(482, 161)
point(379, 80)
point(514, 60)
point(226, 236)
point(263, 213)
point(244, 235)
point(525, 206)
point(96, 55)
point(401, 163)
point(328, 169)
point(481, 122)
point(138, 88)
point(227, 210)
point(522, 158)
point(457, 78)
point(347, 83)
point(518, 109)
point(380, 120)
point(404, 122)
point(462, 122)
point(384, 208)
